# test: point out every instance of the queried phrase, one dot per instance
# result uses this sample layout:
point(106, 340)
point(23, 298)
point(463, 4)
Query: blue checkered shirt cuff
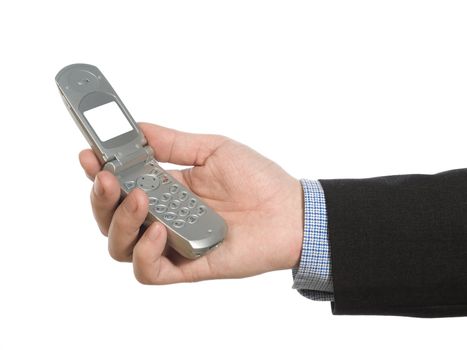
point(313, 277)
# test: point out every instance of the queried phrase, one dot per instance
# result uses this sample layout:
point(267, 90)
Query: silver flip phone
point(193, 227)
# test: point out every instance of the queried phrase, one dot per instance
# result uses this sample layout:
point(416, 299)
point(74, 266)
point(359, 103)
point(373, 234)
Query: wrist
point(295, 219)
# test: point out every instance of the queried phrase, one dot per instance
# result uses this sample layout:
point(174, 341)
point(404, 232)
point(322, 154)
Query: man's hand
point(260, 202)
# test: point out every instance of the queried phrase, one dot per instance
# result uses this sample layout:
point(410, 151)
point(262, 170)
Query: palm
point(248, 190)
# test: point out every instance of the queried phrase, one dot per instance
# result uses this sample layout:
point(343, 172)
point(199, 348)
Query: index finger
point(90, 163)
point(178, 147)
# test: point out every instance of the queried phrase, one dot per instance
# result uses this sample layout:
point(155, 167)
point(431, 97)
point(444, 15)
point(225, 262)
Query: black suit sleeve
point(399, 244)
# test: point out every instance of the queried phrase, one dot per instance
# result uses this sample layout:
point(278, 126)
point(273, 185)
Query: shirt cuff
point(313, 277)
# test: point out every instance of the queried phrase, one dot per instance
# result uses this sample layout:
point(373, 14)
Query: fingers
point(105, 195)
point(179, 147)
point(90, 163)
point(151, 267)
point(125, 225)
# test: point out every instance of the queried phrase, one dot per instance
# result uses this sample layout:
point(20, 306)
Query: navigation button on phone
point(148, 182)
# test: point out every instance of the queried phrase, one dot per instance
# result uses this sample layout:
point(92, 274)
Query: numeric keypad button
point(183, 196)
point(201, 210)
point(174, 189)
point(178, 223)
point(183, 211)
point(174, 205)
point(169, 216)
point(166, 197)
point(153, 201)
point(192, 219)
point(192, 203)
point(160, 208)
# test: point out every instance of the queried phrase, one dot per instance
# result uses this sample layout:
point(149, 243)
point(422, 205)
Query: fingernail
point(98, 189)
point(154, 232)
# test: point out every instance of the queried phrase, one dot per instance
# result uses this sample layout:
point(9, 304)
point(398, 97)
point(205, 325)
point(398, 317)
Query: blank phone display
point(108, 121)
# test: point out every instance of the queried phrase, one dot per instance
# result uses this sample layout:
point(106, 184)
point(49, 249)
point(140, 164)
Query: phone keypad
point(179, 218)
point(174, 206)
point(183, 216)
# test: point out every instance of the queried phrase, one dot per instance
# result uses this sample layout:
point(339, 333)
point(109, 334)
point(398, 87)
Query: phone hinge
point(125, 161)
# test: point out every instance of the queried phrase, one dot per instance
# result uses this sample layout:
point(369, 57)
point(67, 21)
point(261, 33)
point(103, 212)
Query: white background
point(327, 89)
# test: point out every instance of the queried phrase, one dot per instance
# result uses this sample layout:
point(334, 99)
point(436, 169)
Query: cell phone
point(193, 227)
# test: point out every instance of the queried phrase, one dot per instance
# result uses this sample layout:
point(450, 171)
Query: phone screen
point(108, 121)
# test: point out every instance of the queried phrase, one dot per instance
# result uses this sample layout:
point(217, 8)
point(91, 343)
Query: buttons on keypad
point(201, 210)
point(169, 216)
point(174, 188)
point(166, 197)
point(184, 211)
point(183, 196)
point(178, 223)
point(129, 185)
point(160, 208)
point(192, 219)
point(165, 180)
point(153, 201)
point(148, 182)
point(192, 203)
point(174, 204)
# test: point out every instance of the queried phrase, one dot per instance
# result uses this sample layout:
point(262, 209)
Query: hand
point(260, 202)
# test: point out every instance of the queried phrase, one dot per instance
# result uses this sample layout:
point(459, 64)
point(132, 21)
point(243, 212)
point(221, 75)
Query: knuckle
point(143, 278)
point(103, 230)
point(117, 256)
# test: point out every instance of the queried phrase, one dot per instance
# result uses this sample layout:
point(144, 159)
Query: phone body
point(193, 227)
